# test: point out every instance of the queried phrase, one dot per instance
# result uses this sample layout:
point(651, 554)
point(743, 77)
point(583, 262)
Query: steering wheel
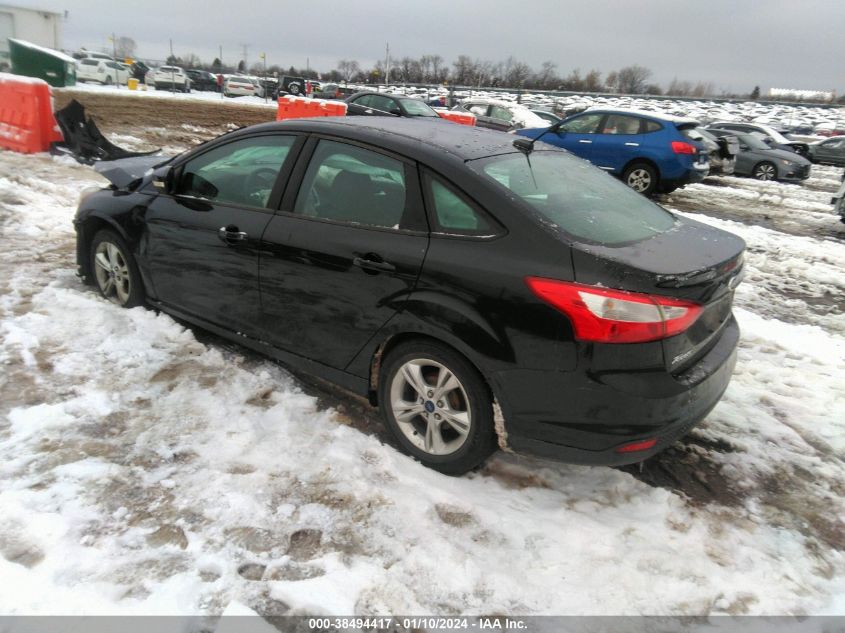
point(259, 180)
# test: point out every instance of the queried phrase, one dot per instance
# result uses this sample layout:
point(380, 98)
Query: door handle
point(231, 234)
point(632, 144)
point(584, 141)
point(369, 264)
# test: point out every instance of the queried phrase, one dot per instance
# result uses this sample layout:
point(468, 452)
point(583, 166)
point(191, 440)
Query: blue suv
point(645, 149)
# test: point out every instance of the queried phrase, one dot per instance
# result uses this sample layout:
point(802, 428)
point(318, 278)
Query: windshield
point(582, 200)
point(415, 107)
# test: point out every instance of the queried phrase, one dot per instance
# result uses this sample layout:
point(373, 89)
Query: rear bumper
point(583, 418)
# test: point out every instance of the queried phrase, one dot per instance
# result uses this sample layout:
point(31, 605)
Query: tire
point(294, 88)
point(107, 82)
point(641, 177)
point(114, 270)
point(459, 417)
point(765, 170)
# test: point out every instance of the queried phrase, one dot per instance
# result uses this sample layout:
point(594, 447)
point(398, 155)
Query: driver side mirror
point(163, 179)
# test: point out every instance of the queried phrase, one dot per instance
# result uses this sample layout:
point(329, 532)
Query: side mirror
point(163, 179)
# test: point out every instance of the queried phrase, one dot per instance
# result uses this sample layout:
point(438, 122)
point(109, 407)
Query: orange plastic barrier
point(464, 118)
point(291, 107)
point(27, 124)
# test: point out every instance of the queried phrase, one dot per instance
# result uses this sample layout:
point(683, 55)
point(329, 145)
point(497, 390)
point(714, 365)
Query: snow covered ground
point(148, 468)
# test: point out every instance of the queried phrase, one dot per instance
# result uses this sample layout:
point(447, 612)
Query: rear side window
point(651, 126)
point(453, 213)
point(580, 199)
point(621, 124)
point(346, 183)
point(500, 113)
point(90, 62)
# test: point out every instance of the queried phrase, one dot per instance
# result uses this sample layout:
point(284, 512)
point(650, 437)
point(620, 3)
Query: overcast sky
point(733, 44)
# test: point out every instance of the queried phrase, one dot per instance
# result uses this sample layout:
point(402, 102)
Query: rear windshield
point(415, 107)
point(585, 202)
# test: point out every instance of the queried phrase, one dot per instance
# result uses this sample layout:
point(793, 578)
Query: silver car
point(758, 160)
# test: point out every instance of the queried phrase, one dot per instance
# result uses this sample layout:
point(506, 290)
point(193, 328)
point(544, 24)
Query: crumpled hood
point(127, 173)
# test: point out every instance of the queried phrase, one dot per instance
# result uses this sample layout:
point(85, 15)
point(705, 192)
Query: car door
point(617, 142)
point(344, 251)
point(577, 134)
point(203, 237)
point(831, 151)
point(481, 112)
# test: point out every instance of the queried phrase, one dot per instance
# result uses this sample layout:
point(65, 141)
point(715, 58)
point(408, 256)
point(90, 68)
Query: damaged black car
point(482, 291)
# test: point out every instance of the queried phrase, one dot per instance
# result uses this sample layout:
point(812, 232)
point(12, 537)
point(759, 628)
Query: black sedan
point(480, 290)
point(758, 160)
point(202, 80)
point(368, 103)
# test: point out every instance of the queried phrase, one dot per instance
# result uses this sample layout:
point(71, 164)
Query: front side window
point(500, 113)
point(242, 172)
point(346, 183)
point(586, 124)
point(383, 104)
point(582, 200)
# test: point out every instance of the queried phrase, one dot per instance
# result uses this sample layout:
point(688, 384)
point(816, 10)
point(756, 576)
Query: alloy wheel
point(112, 272)
point(639, 180)
point(430, 406)
point(765, 172)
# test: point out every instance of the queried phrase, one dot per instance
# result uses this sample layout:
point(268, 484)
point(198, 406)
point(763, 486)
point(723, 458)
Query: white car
point(238, 87)
point(170, 78)
point(102, 71)
point(93, 55)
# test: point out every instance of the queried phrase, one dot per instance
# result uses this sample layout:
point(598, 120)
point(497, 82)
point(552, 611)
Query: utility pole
point(387, 64)
point(264, 57)
point(245, 48)
point(220, 70)
point(114, 57)
point(172, 74)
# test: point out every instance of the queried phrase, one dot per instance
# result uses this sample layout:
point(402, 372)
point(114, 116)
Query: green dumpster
point(31, 60)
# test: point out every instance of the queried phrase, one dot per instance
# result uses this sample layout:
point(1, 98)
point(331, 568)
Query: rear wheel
point(107, 81)
point(641, 177)
point(437, 406)
point(765, 171)
point(115, 270)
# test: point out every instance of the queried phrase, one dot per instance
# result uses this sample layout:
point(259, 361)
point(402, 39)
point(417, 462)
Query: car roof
point(660, 116)
point(422, 139)
point(394, 95)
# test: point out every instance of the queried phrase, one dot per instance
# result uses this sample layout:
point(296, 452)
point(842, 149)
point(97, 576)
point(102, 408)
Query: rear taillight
point(602, 315)
point(635, 447)
point(682, 147)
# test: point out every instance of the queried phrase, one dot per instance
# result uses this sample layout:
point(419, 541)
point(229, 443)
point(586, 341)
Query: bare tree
point(439, 72)
point(592, 82)
point(348, 68)
point(124, 47)
point(463, 69)
point(612, 82)
point(547, 77)
point(632, 79)
point(191, 61)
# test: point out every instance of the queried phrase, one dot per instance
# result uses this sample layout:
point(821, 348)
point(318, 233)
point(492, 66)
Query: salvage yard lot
point(147, 467)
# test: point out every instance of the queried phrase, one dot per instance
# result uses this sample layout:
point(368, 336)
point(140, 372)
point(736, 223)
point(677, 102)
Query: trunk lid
point(691, 261)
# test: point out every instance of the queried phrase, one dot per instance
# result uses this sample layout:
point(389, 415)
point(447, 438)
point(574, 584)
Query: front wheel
point(115, 270)
point(765, 171)
point(437, 406)
point(641, 177)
